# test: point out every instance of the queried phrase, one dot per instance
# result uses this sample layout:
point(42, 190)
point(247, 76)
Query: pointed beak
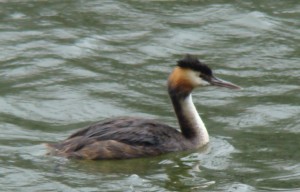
point(221, 83)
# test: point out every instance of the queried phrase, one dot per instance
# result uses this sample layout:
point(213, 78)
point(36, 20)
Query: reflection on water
point(64, 65)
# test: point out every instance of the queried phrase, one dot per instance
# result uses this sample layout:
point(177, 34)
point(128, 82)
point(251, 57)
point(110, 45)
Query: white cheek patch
point(196, 79)
point(203, 82)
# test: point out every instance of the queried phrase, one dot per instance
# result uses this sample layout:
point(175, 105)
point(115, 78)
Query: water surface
point(64, 65)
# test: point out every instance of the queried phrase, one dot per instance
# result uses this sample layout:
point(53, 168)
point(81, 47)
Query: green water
point(65, 64)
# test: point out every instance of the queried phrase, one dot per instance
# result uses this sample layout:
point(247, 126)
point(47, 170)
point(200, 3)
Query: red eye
point(205, 77)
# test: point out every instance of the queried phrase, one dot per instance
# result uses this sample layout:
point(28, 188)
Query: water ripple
point(66, 64)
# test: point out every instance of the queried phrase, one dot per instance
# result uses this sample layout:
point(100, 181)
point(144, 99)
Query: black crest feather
point(193, 63)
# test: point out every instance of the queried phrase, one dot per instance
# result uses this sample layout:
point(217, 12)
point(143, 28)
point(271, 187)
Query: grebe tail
point(127, 137)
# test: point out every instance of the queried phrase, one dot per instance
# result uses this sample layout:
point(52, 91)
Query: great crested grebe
point(128, 137)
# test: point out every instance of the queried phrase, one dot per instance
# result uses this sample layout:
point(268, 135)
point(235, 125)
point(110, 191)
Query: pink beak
point(221, 83)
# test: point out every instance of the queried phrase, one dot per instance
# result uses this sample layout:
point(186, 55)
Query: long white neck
point(191, 124)
point(190, 112)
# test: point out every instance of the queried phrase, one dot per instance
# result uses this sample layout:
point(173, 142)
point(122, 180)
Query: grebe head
point(191, 73)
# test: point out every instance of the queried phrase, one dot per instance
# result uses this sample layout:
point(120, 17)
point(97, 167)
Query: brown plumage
point(127, 137)
point(180, 79)
point(121, 138)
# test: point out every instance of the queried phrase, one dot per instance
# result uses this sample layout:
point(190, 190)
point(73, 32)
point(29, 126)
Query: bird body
point(128, 137)
point(121, 138)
